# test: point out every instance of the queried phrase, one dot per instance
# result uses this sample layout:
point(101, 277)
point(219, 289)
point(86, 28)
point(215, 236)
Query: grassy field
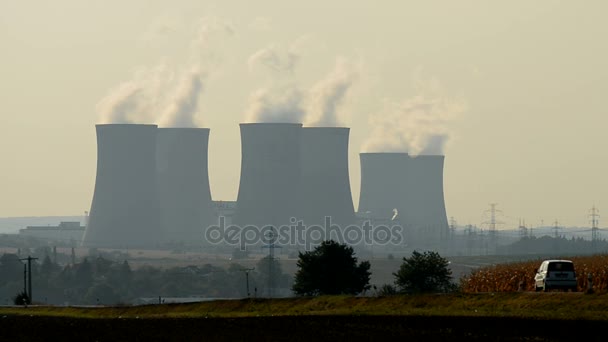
point(552, 305)
point(487, 316)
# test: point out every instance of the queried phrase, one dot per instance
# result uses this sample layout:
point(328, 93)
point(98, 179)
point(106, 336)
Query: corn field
point(519, 276)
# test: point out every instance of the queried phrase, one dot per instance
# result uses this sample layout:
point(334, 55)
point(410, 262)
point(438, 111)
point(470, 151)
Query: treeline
point(98, 280)
point(552, 245)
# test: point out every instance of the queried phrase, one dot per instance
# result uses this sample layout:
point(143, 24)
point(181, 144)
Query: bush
point(21, 298)
point(331, 269)
point(387, 290)
point(424, 272)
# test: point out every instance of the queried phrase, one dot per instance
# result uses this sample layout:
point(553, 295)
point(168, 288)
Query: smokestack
point(325, 185)
point(270, 174)
point(183, 184)
point(124, 210)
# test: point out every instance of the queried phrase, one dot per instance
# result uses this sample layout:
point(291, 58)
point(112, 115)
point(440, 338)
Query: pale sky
point(518, 88)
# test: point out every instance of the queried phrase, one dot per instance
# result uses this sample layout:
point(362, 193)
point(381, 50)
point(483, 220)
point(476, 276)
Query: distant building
point(65, 231)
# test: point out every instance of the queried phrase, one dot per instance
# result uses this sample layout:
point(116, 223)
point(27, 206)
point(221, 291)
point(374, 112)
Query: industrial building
point(63, 232)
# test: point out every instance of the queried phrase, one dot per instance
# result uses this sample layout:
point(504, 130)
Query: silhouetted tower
point(556, 229)
point(523, 230)
point(492, 223)
point(452, 228)
point(595, 232)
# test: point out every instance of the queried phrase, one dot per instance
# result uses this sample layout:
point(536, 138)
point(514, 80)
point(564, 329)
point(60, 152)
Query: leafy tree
point(424, 272)
point(331, 268)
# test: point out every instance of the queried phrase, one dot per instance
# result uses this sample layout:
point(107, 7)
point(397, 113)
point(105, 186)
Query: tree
point(330, 269)
point(424, 272)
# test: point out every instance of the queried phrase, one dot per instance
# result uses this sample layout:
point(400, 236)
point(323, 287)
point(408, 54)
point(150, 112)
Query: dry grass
point(522, 305)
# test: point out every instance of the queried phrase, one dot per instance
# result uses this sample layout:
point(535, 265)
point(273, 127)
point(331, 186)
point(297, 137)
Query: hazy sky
point(516, 89)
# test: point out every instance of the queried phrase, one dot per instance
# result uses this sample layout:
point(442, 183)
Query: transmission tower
point(523, 230)
point(556, 229)
point(595, 231)
point(271, 237)
point(492, 223)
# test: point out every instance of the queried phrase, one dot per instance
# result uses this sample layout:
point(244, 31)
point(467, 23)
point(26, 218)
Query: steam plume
point(283, 100)
point(183, 106)
point(141, 99)
point(281, 104)
point(328, 94)
point(418, 125)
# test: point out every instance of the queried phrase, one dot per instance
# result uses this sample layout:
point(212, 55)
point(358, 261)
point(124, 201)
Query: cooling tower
point(325, 184)
point(183, 184)
point(383, 178)
point(412, 185)
point(270, 174)
point(124, 210)
point(424, 194)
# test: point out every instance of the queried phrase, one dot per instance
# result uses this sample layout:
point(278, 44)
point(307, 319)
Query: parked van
point(556, 274)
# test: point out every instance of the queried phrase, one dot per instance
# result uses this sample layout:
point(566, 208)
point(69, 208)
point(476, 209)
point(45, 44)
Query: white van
point(556, 274)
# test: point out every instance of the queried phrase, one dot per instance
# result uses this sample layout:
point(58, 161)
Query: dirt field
point(301, 328)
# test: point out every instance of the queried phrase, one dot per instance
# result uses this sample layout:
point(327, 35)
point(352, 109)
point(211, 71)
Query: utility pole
point(246, 270)
point(24, 279)
point(595, 232)
point(29, 277)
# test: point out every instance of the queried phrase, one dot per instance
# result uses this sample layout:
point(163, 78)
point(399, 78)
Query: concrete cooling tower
point(383, 177)
point(270, 174)
point(412, 185)
point(325, 184)
point(183, 184)
point(424, 192)
point(125, 209)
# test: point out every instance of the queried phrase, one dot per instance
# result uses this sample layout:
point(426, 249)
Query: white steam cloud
point(283, 101)
point(278, 105)
point(417, 125)
point(162, 93)
point(183, 106)
point(119, 104)
point(270, 58)
point(328, 94)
